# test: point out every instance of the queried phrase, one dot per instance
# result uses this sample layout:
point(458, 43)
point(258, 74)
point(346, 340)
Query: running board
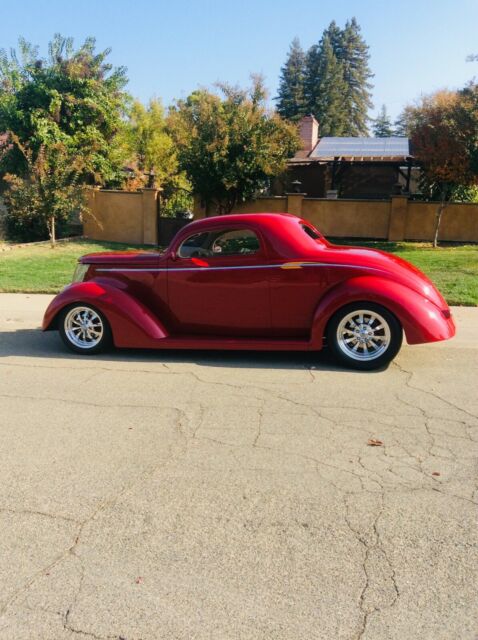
point(233, 344)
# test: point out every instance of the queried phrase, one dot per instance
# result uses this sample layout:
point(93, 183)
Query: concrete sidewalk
point(149, 495)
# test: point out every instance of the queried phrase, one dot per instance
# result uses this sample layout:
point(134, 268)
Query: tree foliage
point(229, 144)
point(382, 125)
point(335, 76)
point(353, 52)
point(325, 88)
point(444, 135)
point(47, 195)
point(74, 97)
point(150, 152)
point(290, 98)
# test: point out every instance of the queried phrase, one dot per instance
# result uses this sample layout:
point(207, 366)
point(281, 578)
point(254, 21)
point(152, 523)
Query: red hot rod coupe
point(259, 281)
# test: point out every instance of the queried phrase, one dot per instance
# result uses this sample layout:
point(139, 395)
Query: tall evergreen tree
point(382, 125)
point(335, 84)
point(335, 34)
point(290, 98)
point(353, 52)
point(325, 88)
point(403, 124)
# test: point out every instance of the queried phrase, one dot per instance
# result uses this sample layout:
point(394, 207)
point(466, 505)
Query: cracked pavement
point(149, 495)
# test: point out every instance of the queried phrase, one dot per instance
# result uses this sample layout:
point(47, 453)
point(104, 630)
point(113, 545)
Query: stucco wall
point(459, 222)
point(395, 219)
point(132, 217)
point(353, 218)
point(122, 216)
point(275, 204)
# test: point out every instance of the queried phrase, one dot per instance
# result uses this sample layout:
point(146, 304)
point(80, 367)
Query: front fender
point(132, 324)
point(421, 320)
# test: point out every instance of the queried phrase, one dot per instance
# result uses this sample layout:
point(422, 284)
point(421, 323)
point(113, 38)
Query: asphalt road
point(234, 496)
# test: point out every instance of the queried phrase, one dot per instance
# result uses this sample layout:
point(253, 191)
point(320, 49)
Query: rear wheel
point(364, 336)
point(84, 329)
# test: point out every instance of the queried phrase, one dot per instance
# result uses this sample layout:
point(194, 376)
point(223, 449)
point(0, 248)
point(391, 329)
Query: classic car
point(262, 281)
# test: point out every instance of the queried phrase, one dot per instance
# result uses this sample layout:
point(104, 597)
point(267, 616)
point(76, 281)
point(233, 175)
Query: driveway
point(149, 495)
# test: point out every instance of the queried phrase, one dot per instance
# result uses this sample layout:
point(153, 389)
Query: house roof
point(358, 149)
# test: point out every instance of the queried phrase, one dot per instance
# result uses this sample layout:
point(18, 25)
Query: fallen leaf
point(375, 443)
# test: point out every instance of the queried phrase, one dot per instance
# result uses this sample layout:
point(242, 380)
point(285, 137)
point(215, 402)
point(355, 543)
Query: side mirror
point(173, 255)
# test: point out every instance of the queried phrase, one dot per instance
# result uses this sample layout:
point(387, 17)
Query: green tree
point(150, 152)
point(230, 145)
point(337, 80)
point(353, 52)
point(47, 195)
point(325, 88)
point(444, 135)
point(290, 96)
point(73, 97)
point(382, 125)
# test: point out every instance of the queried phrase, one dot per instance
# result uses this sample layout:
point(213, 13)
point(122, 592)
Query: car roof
point(265, 219)
point(280, 229)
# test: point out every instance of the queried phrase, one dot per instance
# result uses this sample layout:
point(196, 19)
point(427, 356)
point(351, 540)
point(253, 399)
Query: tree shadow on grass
point(33, 343)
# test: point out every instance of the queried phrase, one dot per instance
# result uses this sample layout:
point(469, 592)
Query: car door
point(218, 283)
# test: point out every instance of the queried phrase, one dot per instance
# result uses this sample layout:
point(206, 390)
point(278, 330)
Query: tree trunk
point(438, 215)
point(51, 232)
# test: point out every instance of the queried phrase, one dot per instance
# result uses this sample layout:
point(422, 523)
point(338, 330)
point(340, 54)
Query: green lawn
point(40, 269)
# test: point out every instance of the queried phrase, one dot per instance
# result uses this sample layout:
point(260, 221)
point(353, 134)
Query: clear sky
point(171, 48)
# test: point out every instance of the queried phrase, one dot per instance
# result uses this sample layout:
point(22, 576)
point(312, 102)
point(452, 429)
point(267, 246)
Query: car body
point(262, 281)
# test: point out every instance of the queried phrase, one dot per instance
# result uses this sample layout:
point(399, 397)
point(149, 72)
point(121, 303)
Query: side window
point(230, 242)
point(235, 242)
point(311, 232)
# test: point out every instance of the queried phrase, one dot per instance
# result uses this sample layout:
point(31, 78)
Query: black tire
point(347, 338)
point(97, 319)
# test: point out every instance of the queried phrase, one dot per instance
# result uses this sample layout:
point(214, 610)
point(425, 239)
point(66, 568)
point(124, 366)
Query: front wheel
point(364, 336)
point(84, 329)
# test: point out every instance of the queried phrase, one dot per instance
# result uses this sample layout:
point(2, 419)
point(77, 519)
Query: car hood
point(375, 262)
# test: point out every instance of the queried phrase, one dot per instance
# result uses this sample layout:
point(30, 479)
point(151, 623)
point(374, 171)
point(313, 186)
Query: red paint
point(163, 301)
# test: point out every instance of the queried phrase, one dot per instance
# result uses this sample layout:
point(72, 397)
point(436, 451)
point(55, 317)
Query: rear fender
point(422, 321)
point(132, 324)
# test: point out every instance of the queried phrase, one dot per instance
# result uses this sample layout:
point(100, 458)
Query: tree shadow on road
point(33, 343)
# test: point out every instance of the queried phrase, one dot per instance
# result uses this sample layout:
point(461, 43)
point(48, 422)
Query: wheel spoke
point(83, 327)
point(363, 335)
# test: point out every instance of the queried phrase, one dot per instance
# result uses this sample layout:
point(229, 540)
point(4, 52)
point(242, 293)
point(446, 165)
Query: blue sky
point(171, 48)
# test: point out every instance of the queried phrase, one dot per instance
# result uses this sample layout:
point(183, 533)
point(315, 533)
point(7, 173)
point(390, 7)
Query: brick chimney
point(309, 133)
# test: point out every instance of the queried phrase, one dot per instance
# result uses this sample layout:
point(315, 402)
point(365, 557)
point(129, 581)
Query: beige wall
point(122, 216)
point(353, 218)
point(395, 219)
point(131, 217)
point(276, 204)
point(459, 222)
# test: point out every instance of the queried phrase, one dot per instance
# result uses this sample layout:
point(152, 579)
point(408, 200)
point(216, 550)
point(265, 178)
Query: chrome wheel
point(363, 335)
point(83, 327)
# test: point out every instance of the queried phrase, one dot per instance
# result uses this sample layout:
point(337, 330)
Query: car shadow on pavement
point(33, 343)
